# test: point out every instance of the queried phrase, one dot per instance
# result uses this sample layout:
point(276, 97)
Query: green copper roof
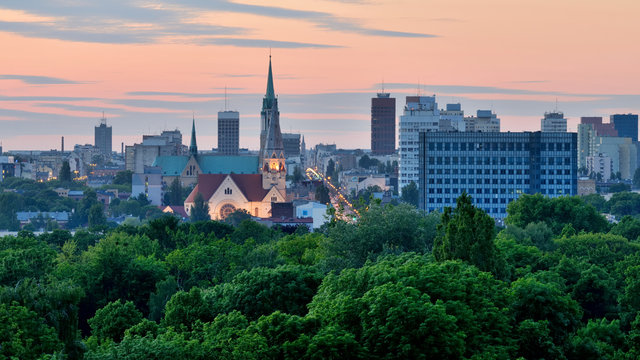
point(209, 164)
point(214, 164)
point(171, 165)
point(193, 147)
point(271, 94)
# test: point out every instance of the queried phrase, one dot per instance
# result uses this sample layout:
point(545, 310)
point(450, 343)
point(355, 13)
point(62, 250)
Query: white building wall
point(420, 114)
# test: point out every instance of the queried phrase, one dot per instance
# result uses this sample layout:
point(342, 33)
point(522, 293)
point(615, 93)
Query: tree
point(410, 194)
point(628, 227)
point(96, 216)
point(236, 217)
point(261, 291)
point(322, 194)
point(556, 213)
point(65, 172)
point(297, 174)
point(539, 299)
point(111, 321)
point(466, 233)
point(23, 335)
point(331, 169)
point(200, 209)
point(123, 178)
point(175, 193)
point(185, 308)
point(636, 178)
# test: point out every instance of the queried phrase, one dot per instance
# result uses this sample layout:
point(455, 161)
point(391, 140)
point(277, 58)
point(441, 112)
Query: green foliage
point(96, 216)
point(200, 209)
point(23, 335)
point(624, 203)
point(539, 299)
point(556, 213)
point(236, 217)
point(262, 291)
point(466, 233)
point(368, 289)
point(380, 230)
point(24, 257)
point(65, 172)
point(111, 321)
point(322, 194)
point(410, 194)
point(123, 178)
point(636, 178)
point(628, 227)
point(174, 194)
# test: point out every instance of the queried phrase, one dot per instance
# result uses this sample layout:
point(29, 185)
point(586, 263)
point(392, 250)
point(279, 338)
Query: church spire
point(270, 92)
point(193, 147)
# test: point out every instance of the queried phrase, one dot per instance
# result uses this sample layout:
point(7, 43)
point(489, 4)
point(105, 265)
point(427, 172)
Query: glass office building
point(495, 168)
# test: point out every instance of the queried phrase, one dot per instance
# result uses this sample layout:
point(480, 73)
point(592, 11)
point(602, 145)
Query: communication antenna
point(225, 98)
point(556, 104)
point(103, 120)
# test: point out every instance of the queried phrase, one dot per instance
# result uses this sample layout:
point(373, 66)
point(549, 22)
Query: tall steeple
point(193, 147)
point(271, 147)
point(269, 113)
point(270, 92)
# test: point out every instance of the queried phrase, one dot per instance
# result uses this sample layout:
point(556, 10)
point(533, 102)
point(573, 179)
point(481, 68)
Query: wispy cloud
point(39, 80)
point(260, 43)
point(136, 21)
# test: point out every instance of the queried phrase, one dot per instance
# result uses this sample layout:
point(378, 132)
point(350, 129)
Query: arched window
point(225, 210)
point(228, 191)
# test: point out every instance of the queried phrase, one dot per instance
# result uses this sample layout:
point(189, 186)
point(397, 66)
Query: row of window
point(495, 146)
point(494, 160)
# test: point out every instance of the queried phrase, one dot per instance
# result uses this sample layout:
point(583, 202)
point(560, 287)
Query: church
point(226, 193)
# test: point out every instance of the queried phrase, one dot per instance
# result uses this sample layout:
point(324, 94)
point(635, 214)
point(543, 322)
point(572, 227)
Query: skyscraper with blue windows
point(495, 168)
point(626, 125)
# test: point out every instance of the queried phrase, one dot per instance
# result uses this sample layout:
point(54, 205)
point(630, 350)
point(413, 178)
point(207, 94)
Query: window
point(228, 191)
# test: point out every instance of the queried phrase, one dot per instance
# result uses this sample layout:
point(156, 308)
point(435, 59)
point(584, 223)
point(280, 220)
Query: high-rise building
point(228, 132)
point(586, 143)
point(383, 124)
point(622, 151)
point(139, 156)
point(484, 121)
point(494, 168)
point(420, 114)
point(103, 137)
point(626, 125)
point(452, 119)
point(601, 129)
point(553, 122)
point(291, 143)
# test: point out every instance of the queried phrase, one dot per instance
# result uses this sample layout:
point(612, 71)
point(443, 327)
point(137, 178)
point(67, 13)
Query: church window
point(226, 210)
point(255, 213)
point(228, 191)
point(274, 198)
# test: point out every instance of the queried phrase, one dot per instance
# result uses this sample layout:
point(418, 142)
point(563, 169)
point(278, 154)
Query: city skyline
point(150, 67)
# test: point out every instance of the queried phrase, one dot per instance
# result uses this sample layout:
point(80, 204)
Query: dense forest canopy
point(558, 282)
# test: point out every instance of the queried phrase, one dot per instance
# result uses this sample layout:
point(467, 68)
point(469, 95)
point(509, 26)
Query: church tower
point(274, 171)
point(193, 147)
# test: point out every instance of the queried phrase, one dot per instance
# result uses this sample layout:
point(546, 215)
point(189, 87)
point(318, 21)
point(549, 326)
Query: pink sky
point(149, 65)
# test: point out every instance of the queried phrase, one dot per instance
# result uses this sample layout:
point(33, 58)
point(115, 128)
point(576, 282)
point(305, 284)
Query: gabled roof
point(209, 164)
point(171, 165)
point(249, 184)
point(228, 164)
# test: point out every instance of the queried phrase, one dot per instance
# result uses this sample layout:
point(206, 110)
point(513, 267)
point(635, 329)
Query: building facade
point(495, 168)
point(291, 144)
point(600, 165)
point(103, 137)
point(452, 119)
point(626, 125)
point(420, 114)
point(553, 122)
point(622, 151)
point(228, 132)
point(601, 129)
point(484, 121)
point(383, 124)
point(168, 143)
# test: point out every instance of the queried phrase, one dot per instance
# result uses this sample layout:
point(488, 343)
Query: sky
point(152, 65)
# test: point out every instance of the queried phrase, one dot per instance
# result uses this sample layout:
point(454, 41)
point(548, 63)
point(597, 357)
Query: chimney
point(62, 144)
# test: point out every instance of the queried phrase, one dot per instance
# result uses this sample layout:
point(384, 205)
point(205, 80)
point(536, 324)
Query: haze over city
point(150, 65)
